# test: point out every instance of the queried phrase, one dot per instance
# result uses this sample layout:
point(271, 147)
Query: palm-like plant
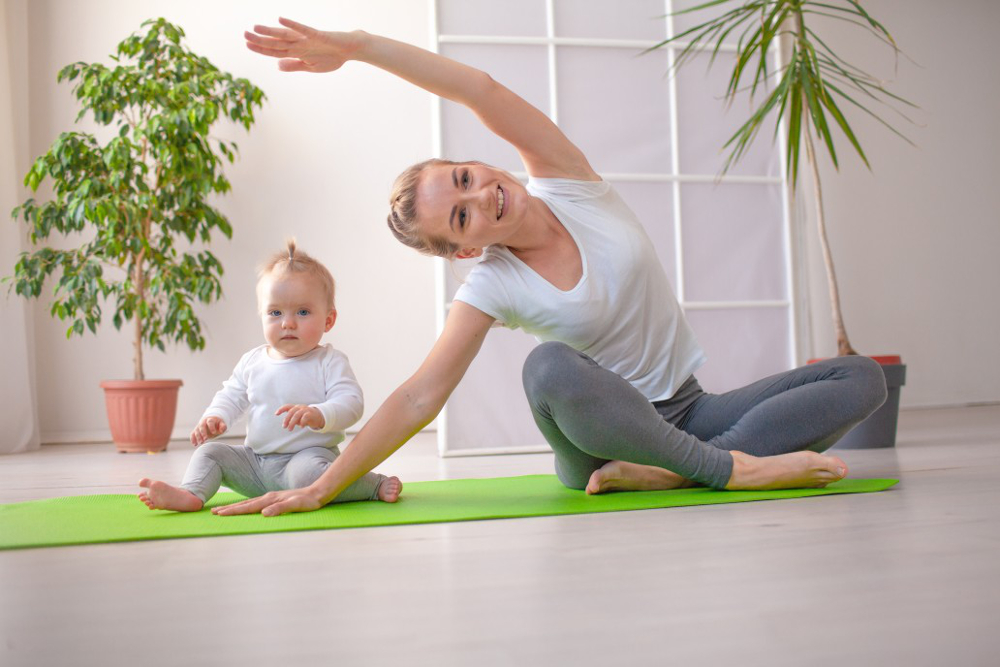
point(811, 87)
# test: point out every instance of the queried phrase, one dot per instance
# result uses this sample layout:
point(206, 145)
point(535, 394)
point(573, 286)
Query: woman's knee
point(868, 382)
point(548, 366)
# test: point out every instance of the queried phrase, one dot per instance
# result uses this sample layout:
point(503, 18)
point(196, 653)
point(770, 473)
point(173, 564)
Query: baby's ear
point(331, 319)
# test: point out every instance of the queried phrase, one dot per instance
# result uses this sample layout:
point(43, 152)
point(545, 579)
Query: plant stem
point(843, 344)
point(141, 293)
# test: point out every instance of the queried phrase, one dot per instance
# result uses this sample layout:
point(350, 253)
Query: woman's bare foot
point(624, 476)
point(388, 490)
point(162, 496)
point(798, 470)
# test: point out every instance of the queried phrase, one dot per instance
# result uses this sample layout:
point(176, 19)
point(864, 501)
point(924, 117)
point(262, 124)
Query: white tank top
point(622, 314)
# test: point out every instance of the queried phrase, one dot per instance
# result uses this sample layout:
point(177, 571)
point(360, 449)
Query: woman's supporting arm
point(543, 147)
point(407, 410)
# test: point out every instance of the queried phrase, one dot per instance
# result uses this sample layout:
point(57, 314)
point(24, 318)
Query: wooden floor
point(910, 576)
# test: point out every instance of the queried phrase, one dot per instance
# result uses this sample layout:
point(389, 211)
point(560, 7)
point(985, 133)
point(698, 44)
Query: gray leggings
point(252, 474)
point(590, 415)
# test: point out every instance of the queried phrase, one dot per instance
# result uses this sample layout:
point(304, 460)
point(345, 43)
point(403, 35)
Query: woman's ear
point(468, 253)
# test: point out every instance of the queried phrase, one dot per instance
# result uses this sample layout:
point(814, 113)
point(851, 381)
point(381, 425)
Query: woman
point(613, 389)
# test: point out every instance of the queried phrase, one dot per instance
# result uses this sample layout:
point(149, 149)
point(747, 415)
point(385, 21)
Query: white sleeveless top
point(622, 314)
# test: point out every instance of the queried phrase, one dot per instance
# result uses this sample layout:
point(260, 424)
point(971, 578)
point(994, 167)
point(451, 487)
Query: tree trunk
point(137, 342)
point(843, 344)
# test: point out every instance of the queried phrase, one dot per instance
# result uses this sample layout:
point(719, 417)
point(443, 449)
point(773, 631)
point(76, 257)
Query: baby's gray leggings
point(252, 474)
point(590, 415)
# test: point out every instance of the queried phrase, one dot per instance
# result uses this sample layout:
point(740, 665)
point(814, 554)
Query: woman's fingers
point(293, 65)
point(300, 28)
point(263, 50)
point(278, 508)
point(251, 506)
point(279, 33)
point(268, 43)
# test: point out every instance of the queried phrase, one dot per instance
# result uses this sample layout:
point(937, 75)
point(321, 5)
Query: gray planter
point(879, 430)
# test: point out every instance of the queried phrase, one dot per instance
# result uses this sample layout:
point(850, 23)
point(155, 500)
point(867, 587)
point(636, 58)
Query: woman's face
point(472, 205)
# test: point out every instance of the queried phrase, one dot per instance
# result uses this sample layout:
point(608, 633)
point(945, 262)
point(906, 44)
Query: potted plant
point(811, 84)
point(133, 201)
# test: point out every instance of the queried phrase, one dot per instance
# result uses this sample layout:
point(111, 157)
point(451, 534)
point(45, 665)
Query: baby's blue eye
point(274, 313)
point(303, 312)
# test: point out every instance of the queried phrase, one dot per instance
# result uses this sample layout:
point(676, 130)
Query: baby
point(300, 396)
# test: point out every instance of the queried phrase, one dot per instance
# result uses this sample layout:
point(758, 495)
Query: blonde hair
point(403, 213)
point(294, 261)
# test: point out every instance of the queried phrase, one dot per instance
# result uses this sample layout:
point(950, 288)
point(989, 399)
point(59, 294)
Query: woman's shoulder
point(496, 263)
point(567, 188)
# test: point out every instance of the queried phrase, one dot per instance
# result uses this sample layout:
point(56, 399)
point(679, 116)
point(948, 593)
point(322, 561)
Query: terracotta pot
point(141, 413)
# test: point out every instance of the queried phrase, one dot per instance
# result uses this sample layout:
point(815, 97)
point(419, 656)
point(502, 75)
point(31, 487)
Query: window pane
point(520, 68)
point(733, 240)
point(615, 107)
point(622, 19)
point(512, 18)
point(743, 345)
point(653, 203)
point(489, 408)
point(705, 122)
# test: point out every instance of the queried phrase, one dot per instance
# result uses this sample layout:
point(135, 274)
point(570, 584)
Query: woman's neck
point(541, 232)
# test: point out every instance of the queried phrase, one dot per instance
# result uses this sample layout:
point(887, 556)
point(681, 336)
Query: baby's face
point(294, 314)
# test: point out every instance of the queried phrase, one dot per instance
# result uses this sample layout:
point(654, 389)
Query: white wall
point(318, 165)
point(916, 240)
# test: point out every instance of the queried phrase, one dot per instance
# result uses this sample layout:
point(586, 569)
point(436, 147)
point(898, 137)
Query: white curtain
point(19, 430)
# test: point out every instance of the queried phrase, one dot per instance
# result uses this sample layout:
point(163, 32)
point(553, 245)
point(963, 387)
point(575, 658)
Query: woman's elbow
point(423, 404)
point(482, 88)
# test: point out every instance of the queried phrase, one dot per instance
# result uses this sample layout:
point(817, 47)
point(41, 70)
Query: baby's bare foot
point(162, 496)
point(798, 470)
point(624, 476)
point(388, 490)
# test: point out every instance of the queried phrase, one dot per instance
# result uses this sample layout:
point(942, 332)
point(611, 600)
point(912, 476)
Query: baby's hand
point(207, 428)
point(301, 415)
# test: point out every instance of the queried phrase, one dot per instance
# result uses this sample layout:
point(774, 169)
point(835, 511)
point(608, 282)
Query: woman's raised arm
point(543, 147)
point(407, 410)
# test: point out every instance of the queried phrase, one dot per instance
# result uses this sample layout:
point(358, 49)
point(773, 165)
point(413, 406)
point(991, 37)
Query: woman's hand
point(273, 504)
point(303, 49)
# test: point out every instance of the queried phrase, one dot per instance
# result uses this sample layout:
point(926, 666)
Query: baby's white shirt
point(259, 385)
point(622, 313)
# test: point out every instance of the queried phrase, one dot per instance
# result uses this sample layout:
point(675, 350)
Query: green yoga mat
point(122, 518)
